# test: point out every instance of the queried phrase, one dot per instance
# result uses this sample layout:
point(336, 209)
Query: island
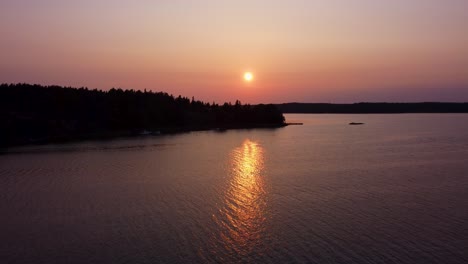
point(31, 113)
point(356, 123)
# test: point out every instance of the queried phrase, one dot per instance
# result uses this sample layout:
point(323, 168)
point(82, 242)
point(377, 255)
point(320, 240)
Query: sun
point(248, 77)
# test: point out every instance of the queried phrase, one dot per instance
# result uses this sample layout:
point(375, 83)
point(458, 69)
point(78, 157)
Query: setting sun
point(248, 76)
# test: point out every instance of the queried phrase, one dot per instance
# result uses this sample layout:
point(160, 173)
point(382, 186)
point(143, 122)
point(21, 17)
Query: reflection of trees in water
point(241, 219)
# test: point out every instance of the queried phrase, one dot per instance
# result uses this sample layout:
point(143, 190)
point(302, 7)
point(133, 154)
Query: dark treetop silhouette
point(35, 113)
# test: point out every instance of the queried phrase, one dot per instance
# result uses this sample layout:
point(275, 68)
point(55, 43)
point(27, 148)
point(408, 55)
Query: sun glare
point(248, 76)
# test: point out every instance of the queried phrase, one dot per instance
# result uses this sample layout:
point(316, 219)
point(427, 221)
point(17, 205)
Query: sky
point(298, 51)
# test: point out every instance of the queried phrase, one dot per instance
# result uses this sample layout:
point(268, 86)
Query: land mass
point(373, 108)
point(42, 114)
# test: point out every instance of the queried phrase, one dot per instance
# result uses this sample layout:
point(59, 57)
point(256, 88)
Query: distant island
point(373, 108)
point(41, 114)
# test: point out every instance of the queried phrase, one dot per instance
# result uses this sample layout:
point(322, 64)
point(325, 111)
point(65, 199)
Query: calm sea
point(394, 190)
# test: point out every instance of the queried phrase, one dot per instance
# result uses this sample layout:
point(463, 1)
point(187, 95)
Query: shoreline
point(160, 131)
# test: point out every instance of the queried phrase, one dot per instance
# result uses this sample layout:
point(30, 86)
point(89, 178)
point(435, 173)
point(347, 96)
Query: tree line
point(30, 113)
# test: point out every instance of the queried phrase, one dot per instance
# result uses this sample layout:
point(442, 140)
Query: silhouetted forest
point(35, 113)
point(374, 108)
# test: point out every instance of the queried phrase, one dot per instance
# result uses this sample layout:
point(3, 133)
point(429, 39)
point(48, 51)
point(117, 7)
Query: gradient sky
point(306, 51)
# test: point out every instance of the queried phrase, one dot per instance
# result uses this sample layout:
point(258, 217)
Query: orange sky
point(315, 51)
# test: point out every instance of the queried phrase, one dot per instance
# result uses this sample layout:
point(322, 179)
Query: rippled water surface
point(394, 190)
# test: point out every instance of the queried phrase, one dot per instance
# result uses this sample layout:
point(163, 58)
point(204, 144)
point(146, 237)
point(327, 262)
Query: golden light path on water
point(242, 215)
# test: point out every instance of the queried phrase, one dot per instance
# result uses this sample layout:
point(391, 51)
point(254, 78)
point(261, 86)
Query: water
point(394, 190)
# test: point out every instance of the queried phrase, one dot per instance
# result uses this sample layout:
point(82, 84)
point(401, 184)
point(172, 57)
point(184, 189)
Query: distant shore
point(373, 108)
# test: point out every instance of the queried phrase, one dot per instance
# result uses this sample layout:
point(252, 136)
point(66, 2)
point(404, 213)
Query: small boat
point(144, 133)
point(356, 123)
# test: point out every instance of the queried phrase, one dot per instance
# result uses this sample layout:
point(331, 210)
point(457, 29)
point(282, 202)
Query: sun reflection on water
point(242, 216)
